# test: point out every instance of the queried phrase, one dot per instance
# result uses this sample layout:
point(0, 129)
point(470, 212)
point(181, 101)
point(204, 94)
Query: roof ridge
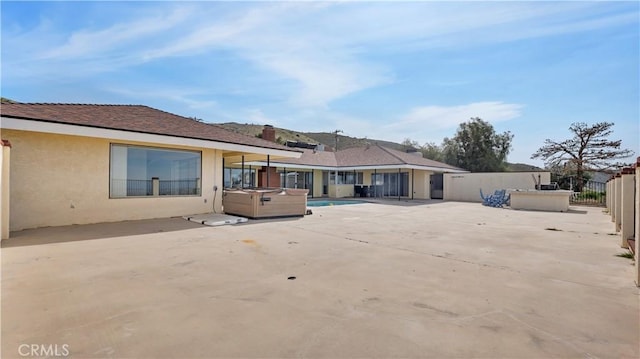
point(71, 104)
point(392, 154)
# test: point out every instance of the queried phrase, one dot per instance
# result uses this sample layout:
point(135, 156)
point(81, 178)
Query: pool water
point(324, 203)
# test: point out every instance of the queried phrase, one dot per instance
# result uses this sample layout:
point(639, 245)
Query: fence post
point(618, 208)
point(627, 205)
point(155, 186)
point(637, 222)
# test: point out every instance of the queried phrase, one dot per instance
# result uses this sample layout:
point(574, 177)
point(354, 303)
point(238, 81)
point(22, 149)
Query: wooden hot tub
point(265, 203)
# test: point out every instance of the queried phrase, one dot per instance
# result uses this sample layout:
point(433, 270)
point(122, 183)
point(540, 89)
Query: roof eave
point(47, 126)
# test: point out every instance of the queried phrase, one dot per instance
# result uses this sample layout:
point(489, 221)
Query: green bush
point(587, 194)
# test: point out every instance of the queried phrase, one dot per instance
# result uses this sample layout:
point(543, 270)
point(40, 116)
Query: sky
point(380, 70)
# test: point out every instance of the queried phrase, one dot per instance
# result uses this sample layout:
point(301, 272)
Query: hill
point(326, 138)
point(282, 135)
point(522, 167)
point(329, 140)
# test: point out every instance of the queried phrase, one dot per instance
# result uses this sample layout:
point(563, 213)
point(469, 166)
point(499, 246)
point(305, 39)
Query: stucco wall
point(61, 180)
point(317, 183)
point(421, 184)
point(5, 161)
point(627, 222)
point(341, 190)
point(465, 187)
point(637, 223)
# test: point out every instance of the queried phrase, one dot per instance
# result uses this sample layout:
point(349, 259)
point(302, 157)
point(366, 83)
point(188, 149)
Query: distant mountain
point(282, 135)
point(522, 167)
point(326, 138)
point(329, 140)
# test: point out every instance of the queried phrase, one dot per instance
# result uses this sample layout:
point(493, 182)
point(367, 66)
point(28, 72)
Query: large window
point(346, 177)
point(233, 178)
point(145, 171)
point(389, 184)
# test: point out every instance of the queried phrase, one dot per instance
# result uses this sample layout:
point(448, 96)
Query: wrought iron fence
point(179, 187)
point(138, 188)
point(593, 193)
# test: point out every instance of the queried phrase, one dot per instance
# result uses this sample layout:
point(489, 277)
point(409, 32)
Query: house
point(371, 171)
point(86, 163)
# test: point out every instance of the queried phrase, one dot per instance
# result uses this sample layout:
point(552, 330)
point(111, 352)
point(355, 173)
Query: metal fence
point(593, 194)
point(139, 188)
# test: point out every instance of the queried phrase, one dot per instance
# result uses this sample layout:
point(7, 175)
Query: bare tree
point(589, 149)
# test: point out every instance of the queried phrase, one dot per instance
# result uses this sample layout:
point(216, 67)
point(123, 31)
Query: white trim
point(120, 135)
point(288, 165)
point(357, 168)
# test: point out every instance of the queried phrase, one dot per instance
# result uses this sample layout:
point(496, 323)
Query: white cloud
point(257, 116)
point(422, 124)
point(445, 117)
point(87, 43)
point(185, 96)
point(318, 52)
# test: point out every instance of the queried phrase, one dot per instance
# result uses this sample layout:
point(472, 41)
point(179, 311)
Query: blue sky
point(383, 70)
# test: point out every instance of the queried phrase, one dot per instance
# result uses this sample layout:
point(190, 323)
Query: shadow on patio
point(48, 235)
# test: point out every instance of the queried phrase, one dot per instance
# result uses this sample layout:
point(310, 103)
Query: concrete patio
point(396, 279)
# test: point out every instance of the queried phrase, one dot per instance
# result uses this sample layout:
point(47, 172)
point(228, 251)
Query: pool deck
point(392, 279)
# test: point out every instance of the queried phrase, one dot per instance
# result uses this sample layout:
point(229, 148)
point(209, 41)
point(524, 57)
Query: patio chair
point(498, 199)
point(485, 199)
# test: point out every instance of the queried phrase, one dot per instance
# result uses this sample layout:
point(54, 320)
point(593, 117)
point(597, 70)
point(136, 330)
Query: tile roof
point(377, 155)
point(374, 155)
point(312, 158)
point(134, 118)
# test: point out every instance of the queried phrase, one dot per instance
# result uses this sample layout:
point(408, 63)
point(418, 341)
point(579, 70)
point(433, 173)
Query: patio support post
point(268, 169)
point(284, 185)
point(398, 183)
point(412, 183)
point(375, 183)
point(252, 179)
point(242, 174)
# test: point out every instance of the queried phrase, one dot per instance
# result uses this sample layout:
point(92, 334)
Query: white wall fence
point(623, 204)
point(466, 187)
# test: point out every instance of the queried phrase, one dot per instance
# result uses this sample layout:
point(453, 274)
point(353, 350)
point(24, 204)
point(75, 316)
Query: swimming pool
point(324, 203)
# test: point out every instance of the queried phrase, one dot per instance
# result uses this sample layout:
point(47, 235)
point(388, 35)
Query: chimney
point(269, 133)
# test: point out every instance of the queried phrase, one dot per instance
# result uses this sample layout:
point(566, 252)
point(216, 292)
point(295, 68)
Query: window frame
point(128, 145)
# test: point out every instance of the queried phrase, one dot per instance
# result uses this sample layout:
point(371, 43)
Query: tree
point(477, 147)
point(432, 151)
point(588, 150)
point(409, 144)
